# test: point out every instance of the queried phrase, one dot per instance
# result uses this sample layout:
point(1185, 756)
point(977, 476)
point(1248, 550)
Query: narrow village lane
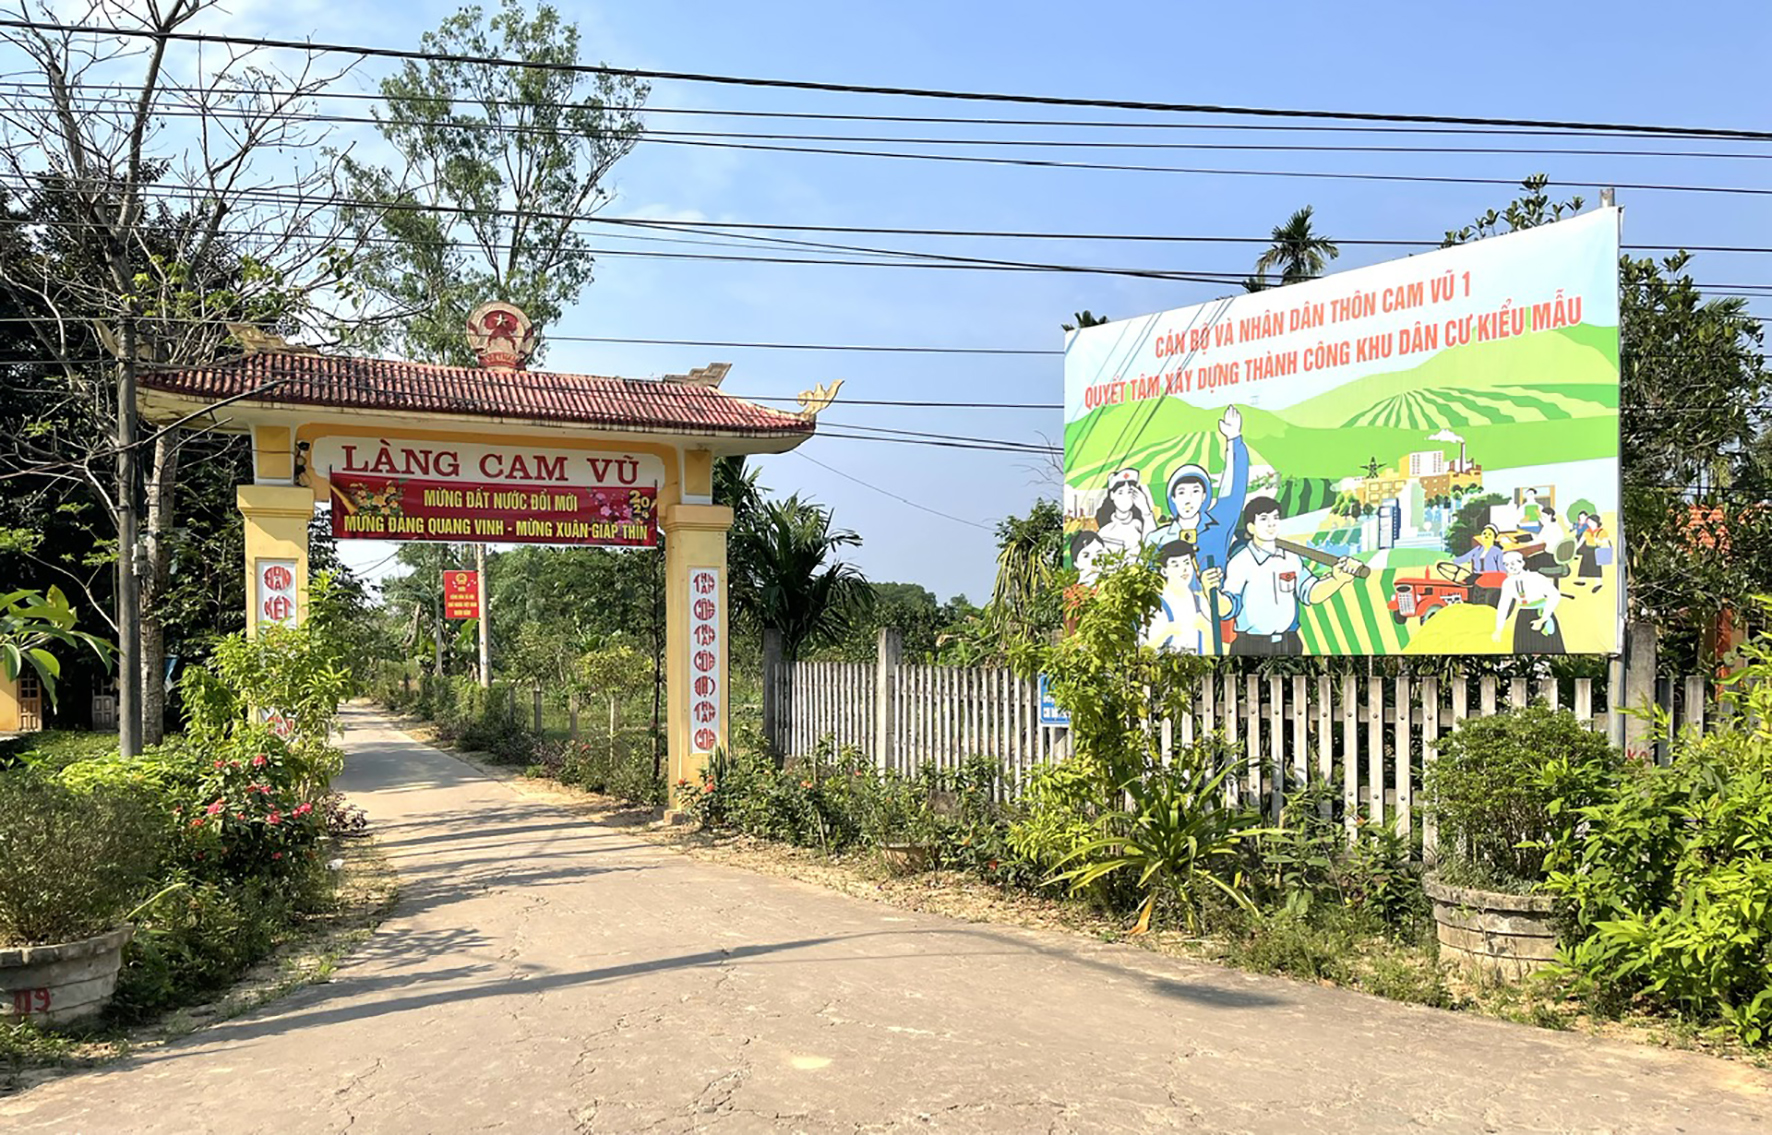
point(543, 974)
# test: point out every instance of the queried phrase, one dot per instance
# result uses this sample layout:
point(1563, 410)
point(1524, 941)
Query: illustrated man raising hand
point(1197, 517)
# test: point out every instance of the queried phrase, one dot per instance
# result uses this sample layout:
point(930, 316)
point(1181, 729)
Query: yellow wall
point(9, 709)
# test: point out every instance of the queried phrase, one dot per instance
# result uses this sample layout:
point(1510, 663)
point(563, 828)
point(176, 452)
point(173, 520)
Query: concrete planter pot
point(1490, 933)
point(905, 858)
point(61, 984)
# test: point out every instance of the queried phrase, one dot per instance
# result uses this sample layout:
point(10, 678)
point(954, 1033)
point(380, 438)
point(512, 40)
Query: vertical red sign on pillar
point(275, 601)
point(705, 673)
point(461, 594)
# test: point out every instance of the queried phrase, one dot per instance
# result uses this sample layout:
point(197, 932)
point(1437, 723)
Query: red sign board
point(387, 508)
point(461, 594)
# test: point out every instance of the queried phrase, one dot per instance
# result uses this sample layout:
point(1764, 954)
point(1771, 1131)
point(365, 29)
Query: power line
point(970, 120)
point(646, 134)
point(893, 495)
point(889, 258)
point(422, 56)
point(1046, 163)
point(1029, 446)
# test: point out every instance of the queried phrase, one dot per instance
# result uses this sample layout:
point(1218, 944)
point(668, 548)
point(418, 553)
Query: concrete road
point(545, 975)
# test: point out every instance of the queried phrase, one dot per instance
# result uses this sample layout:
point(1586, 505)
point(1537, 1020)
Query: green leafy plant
point(31, 622)
point(73, 863)
point(1505, 788)
point(1668, 877)
point(1178, 837)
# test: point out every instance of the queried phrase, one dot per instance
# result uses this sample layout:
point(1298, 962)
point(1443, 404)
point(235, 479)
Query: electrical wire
point(422, 56)
point(893, 495)
point(726, 112)
point(643, 134)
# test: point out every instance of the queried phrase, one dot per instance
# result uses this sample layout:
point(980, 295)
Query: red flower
point(274, 818)
point(302, 809)
point(215, 808)
point(198, 822)
point(707, 788)
point(258, 761)
point(218, 763)
point(276, 855)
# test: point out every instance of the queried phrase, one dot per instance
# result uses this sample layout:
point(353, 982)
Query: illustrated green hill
point(1526, 401)
point(1554, 359)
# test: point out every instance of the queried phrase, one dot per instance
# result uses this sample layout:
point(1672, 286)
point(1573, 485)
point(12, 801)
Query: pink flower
point(215, 808)
point(302, 809)
point(276, 855)
point(274, 818)
point(258, 761)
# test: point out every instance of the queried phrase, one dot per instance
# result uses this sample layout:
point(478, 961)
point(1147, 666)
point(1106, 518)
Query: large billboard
point(1419, 457)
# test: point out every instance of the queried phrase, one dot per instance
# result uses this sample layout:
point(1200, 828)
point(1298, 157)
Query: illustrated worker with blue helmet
point(1208, 523)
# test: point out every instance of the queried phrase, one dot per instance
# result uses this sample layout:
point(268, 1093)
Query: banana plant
point(31, 622)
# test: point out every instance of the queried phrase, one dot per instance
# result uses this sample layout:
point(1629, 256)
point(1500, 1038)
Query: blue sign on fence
point(1050, 713)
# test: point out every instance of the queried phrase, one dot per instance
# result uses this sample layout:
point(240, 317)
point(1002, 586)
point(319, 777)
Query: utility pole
point(485, 631)
point(129, 678)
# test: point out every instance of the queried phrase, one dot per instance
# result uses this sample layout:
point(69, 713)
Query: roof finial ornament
point(501, 335)
point(816, 399)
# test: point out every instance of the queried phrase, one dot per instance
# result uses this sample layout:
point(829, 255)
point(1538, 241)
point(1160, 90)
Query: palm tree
point(1297, 252)
point(1030, 552)
point(785, 577)
point(1084, 318)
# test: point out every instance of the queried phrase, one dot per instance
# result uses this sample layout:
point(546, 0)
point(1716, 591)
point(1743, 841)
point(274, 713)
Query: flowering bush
point(251, 815)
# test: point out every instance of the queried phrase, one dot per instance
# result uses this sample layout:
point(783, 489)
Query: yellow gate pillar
point(697, 631)
point(277, 519)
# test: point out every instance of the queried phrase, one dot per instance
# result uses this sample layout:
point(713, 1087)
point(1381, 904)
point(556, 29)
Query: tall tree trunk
point(156, 577)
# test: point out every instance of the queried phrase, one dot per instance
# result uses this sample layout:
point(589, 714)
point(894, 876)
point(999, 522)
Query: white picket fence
point(1372, 736)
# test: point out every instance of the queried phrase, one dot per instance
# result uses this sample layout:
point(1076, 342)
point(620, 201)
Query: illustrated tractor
point(1420, 596)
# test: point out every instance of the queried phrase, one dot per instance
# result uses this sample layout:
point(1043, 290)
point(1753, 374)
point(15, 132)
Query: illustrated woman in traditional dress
point(1535, 599)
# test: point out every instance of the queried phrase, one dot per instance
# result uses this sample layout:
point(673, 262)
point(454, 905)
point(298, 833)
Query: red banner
point(461, 594)
point(386, 508)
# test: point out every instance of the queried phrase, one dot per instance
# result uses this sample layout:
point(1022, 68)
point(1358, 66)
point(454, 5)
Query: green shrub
point(1505, 787)
point(53, 748)
point(1179, 836)
point(73, 863)
point(1669, 885)
point(1307, 861)
point(198, 939)
point(1058, 813)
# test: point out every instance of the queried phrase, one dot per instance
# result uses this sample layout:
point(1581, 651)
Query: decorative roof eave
point(161, 407)
point(257, 388)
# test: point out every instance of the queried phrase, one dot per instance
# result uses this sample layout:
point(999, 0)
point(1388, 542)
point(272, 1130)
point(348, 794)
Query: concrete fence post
point(1640, 643)
point(772, 689)
point(889, 654)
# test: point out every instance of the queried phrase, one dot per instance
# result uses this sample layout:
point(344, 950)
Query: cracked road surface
point(543, 974)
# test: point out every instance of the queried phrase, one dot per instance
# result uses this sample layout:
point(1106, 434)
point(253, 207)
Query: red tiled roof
point(380, 384)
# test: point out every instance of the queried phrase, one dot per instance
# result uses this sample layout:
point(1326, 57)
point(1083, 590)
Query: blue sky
point(1628, 62)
